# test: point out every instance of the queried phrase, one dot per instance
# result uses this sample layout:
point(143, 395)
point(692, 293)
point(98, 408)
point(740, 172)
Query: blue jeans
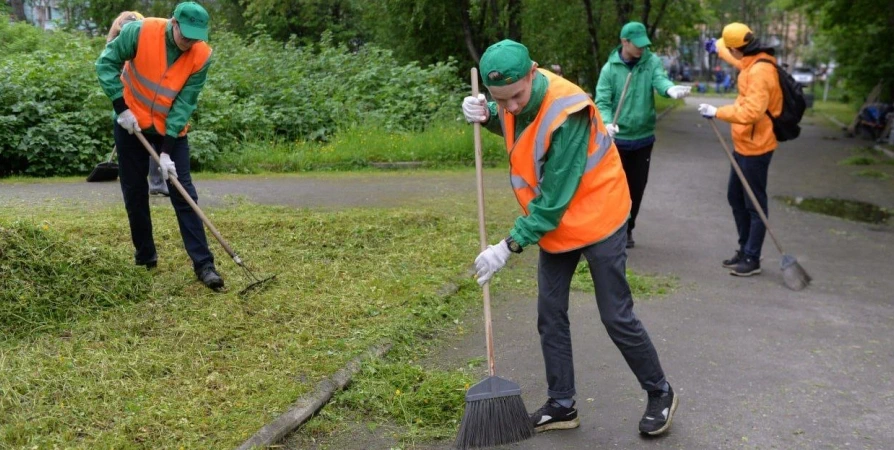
point(133, 167)
point(608, 263)
point(748, 223)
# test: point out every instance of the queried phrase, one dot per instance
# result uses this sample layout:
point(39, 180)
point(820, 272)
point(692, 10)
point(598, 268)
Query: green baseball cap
point(193, 20)
point(635, 32)
point(505, 63)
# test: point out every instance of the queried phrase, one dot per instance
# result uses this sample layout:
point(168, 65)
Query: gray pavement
point(756, 365)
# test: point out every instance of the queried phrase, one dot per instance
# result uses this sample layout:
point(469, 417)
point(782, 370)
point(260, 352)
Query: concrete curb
point(835, 121)
point(663, 113)
point(305, 407)
point(882, 149)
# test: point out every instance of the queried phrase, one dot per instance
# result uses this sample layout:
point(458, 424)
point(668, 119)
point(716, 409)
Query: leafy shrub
point(55, 119)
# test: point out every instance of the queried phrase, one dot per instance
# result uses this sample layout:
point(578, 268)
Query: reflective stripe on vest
point(150, 85)
point(601, 204)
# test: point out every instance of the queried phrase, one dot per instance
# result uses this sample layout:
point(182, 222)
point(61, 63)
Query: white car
point(803, 75)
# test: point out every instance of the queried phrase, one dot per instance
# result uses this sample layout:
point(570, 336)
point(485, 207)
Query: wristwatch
point(513, 246)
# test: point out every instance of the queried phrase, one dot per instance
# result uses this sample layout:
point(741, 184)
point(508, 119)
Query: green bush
point(55, 119)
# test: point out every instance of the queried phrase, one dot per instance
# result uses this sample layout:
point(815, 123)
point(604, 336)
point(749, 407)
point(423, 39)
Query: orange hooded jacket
point(759, 91)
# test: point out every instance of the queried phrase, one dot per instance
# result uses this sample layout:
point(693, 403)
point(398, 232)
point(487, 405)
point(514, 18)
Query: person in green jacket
point(634, 128)
point(186, 29)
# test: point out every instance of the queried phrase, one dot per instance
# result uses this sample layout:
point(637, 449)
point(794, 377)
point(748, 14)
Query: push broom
point(794, 276)
point(495, 413)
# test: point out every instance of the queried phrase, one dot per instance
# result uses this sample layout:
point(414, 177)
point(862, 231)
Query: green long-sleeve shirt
point(124, 48)
point(637, 118)
point(562, 170)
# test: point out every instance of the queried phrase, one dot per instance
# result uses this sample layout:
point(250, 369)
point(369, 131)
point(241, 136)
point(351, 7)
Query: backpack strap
point(767, 112)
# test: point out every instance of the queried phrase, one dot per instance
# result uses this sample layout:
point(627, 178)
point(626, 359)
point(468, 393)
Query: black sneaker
point(747, 267)
point(630, 241)
point(732, 262)
point(659, 412)
point(553, 416)
point(149, 265)
point(209, 277)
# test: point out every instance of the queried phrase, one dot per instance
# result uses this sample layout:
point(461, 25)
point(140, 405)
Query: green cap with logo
point(505, 63)
point(635, 32)
point(193, 20)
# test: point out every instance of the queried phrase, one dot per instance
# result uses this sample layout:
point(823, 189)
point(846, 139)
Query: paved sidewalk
point(755, 364)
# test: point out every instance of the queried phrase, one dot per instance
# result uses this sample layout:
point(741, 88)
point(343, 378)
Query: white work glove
point(128, 121)
point(678, 91)
point(167, 167)
point(475, 109)
point(612, 130)
point(707, 110)
point(491, 261)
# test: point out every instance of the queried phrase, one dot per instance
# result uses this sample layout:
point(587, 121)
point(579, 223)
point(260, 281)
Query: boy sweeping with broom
point(567, 177)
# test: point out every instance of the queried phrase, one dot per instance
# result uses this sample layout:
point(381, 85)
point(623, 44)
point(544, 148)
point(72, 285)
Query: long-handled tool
point(105, 171)
point(255, 281)
point(794, 276)
point(621, 100)
point(495, 413)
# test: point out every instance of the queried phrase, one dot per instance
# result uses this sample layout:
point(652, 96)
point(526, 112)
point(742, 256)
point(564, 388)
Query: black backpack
point(786, 127)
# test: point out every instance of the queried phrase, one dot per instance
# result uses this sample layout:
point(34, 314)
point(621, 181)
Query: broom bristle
point(794, 276)
point(494, 421)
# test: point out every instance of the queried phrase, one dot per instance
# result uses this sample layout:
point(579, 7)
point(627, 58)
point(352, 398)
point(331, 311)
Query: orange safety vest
point(150, 86)
point(601, 204)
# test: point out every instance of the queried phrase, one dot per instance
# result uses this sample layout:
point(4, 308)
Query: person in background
point(157, 184)
point(568, 179)
point(753, 138)
point(153, 73)
point(634, 129)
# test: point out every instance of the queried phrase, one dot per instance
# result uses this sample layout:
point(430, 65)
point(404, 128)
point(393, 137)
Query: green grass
point(162, 362)
point(843, 112)
point(872, 174)
point(448, 145)
point(662, 103)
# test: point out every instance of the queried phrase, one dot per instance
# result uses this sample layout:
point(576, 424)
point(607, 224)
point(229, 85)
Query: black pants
point(750, 227)
point(133, 167)
point(636, 166)
point(608, 263)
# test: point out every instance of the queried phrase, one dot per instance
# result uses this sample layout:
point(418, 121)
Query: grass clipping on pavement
point(98, 353)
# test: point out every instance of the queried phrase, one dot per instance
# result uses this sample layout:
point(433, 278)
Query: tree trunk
point(18, 9)
point(515, 32)
point(625, 8)
point(594, 37)
point(468, 35)
point(651, 28)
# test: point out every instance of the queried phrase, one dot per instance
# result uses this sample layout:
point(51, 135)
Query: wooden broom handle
point(482, 233)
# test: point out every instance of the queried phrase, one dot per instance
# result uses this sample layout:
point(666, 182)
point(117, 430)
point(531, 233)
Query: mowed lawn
point(98, 353)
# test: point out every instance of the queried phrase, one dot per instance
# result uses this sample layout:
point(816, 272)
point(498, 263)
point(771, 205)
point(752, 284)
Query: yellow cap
point(737, 35)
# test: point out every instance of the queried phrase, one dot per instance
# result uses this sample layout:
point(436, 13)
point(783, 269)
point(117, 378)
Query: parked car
point(803, 75)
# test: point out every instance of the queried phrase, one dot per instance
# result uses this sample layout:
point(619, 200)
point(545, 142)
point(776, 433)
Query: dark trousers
point(607, 261)
point(748, 223)
point(636, 166)
point(133, 167)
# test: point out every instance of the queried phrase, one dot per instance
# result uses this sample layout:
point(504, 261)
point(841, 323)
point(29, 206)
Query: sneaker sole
point(744, 274)
point(564, 425)
point(670, 418)
point(733, 266)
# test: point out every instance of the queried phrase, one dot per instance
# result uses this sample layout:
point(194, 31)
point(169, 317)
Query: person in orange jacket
point(568, 179)
point(752, 130)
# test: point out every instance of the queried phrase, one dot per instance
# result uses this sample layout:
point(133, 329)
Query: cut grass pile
point(161, 362)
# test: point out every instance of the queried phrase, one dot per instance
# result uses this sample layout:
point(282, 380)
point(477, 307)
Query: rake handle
point(195, 207)
point(482, 233)
point(757, 206)
point(623, 96)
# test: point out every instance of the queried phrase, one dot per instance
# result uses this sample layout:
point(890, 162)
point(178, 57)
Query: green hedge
point(55, 119)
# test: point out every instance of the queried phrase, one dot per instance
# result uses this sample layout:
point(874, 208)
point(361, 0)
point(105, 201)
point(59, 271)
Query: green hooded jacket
point(637, 118)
